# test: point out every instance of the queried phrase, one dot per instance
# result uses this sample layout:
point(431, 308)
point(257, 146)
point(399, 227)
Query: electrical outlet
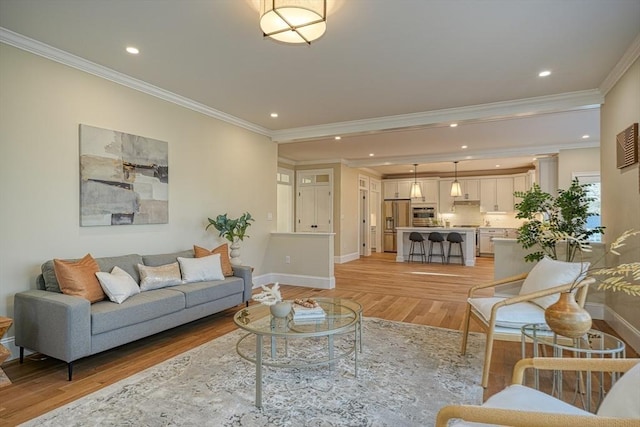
point(287, 259)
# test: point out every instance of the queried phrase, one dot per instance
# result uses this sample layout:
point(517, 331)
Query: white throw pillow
point(118, 285)
point(548, 273)
point(159, 277)
point(623, 400)
point(201, 269)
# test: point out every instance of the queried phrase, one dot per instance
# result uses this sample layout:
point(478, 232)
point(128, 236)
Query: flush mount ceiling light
point(456, 190)
point(293, 21)
point(416, 191)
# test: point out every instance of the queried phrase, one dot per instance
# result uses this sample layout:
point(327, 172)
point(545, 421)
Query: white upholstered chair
point(521, 406)
point(503, 318)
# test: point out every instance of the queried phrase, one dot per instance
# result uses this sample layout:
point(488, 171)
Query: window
point(593, 190)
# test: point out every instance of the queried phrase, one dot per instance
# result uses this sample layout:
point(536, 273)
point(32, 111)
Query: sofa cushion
point(118, 285)
point(163, 259)
point(106, 316)
point(223, 250)
point(201, 269)
point(509, 316)
point(159, 277)
point(203, 292)
point(78, 278)
point(128, 263)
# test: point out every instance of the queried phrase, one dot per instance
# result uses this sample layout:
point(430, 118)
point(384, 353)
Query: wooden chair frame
point(489, 326)
point(518, 418)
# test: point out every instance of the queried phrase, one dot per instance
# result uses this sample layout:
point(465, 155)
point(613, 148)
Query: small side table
point(5, 323)
point(592, 344)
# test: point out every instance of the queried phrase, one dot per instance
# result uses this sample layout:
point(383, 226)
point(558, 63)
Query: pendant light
point(456, 190)
point(416, 191)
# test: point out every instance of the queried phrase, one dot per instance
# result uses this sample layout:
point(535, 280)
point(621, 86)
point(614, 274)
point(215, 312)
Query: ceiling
point(389, 77)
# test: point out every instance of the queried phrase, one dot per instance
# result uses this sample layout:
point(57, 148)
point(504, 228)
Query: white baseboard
point(296, 280)
point(626, 330)
point(346, 258)
point(595, 309)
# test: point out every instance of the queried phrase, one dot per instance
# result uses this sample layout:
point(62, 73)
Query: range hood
point(466, 203)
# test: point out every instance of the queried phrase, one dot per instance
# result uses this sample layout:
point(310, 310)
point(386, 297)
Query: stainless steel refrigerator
point(397, 213)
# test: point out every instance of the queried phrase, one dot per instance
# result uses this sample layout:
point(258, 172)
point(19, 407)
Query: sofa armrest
point(245, 272)
point(53, 324)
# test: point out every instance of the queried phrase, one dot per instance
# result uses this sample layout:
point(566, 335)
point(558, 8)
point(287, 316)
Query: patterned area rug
point(406, 373)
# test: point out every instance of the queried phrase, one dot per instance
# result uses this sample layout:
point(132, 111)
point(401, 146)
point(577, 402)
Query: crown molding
point(44, 50)
point(497, 110)
point(627, 60)
point(534, 150)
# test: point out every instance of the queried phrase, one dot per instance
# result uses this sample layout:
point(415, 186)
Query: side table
point(5, 323)
point(592, 344)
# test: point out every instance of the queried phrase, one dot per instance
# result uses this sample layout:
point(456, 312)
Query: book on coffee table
point(308, 313)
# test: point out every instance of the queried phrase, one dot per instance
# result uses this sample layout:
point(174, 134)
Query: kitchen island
point(468, 235)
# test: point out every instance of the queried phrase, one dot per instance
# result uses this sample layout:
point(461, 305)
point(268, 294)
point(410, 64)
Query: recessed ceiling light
point(585, 136)
point(534, 159)
point(453, 125)
point(338, 138)
point(132, 50)
point(371, 154)
point(464, 147)
point(274, 115)
point(544, 73)
point(411, 170)
point(497, 166)
point(469, 157)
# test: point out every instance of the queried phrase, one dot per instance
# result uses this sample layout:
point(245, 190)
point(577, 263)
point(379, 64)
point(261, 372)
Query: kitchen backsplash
point(471, 215)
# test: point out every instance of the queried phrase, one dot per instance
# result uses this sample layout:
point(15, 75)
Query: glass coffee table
point(342, 320)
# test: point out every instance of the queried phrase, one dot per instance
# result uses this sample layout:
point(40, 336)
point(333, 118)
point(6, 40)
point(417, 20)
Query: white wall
point(214, 167)
point(620, 190)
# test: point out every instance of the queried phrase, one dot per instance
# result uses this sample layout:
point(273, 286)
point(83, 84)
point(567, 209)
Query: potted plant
point(550, 219)
point(234, 230)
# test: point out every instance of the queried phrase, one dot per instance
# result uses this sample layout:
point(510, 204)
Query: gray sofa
point(69, 327)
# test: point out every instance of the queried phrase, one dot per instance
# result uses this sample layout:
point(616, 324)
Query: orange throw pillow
point(223, 250)
point(78, 278)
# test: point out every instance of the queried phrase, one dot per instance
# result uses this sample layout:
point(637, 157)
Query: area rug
point(406, 373)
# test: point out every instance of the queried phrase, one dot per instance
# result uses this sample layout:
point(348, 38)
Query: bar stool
point(455, 238)
point(417, 242)
point(434, 238)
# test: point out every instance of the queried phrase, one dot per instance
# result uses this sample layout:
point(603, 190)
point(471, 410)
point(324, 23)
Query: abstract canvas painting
point(124, 178)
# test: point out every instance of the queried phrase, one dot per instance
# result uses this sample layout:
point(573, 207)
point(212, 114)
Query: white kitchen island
point(468, 235)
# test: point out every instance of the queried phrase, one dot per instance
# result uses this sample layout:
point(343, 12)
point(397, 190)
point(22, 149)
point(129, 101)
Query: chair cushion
point(510, 316)
point(519, 397)
point(548, 273)
point(623, 400)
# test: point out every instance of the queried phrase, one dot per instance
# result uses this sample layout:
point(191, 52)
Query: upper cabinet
point(496, 195)
point(397, 189)
point(470, 189)
point(429, 189)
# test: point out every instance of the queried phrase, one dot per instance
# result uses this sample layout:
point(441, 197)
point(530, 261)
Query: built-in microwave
point(423, 216)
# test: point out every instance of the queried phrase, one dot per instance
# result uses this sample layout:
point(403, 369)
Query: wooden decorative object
point(567, 318)
point(5, 322)
point(627, 146)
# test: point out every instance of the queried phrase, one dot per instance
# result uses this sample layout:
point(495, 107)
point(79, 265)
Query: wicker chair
point(521, 406)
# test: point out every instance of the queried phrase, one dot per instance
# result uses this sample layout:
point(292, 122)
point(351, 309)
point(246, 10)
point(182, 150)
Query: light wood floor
point(427, 294)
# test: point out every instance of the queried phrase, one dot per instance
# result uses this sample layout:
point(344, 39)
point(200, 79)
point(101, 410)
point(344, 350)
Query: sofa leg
point(246, 304)
point(21, 355)
point(70, 370)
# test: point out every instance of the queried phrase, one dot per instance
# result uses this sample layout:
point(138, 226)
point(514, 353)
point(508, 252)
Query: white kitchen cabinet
point(397, 189)
point(429, 190)
point(470, 189)
point(496, 195)
point(521, 183)
point(486, 236)
point(445, 201)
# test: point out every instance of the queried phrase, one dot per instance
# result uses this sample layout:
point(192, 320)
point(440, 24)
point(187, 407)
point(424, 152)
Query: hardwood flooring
point(426, 294)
